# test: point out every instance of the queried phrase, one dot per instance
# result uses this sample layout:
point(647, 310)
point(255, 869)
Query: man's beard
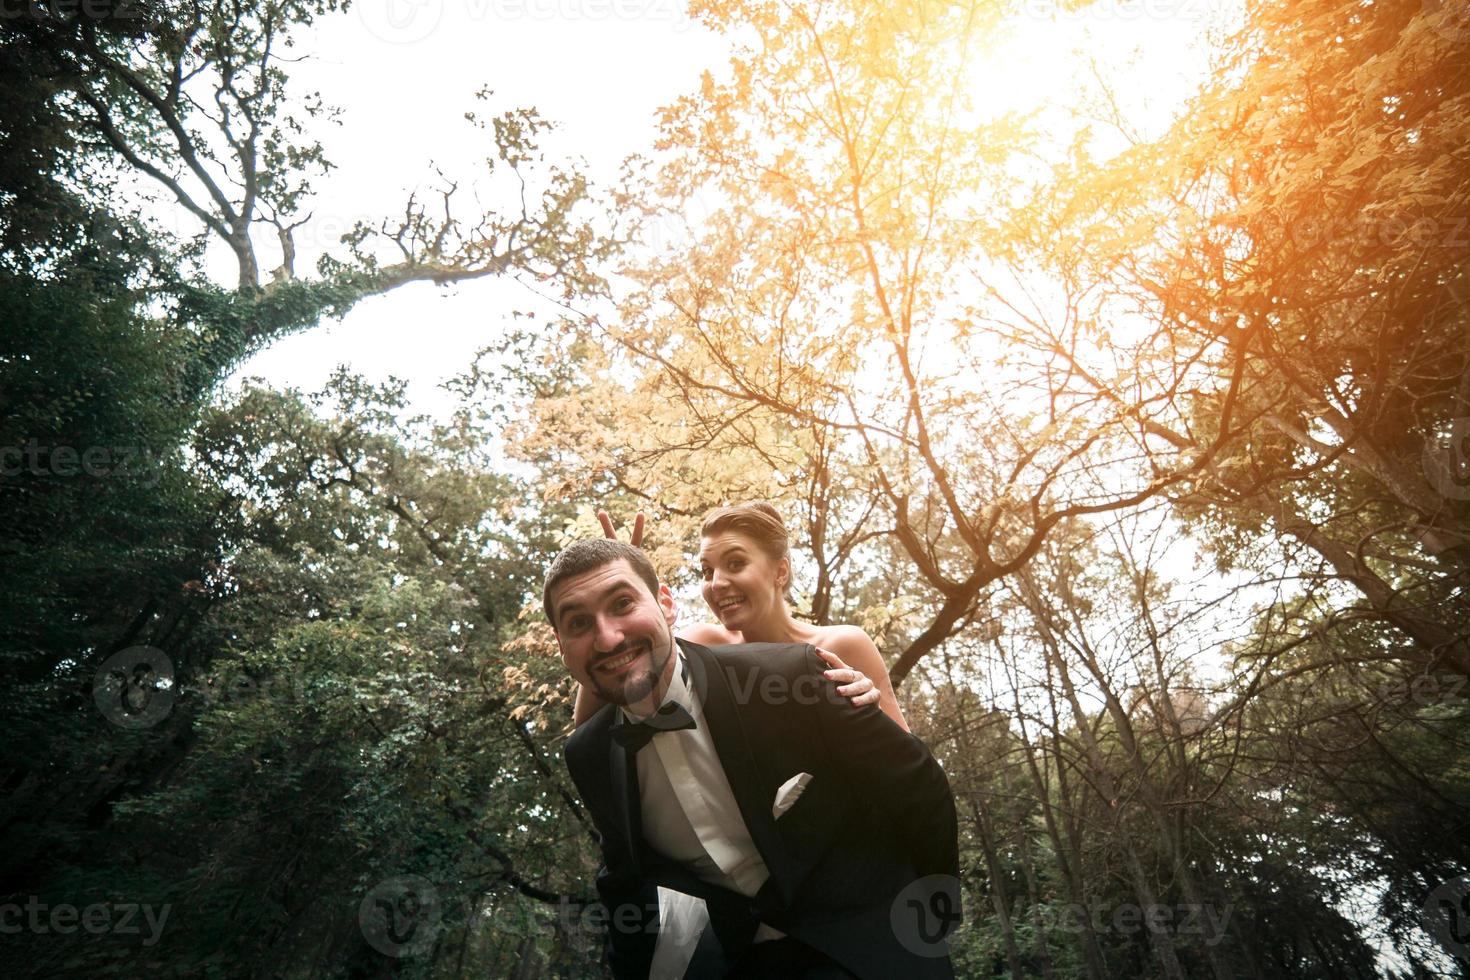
point(637, 684)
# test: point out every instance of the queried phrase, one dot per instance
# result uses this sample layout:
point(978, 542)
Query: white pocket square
point(789, 792)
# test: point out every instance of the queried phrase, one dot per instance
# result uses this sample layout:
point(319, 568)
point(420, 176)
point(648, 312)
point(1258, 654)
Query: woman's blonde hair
point(758, 521)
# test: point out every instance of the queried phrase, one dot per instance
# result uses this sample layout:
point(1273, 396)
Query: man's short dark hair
point(583, 556)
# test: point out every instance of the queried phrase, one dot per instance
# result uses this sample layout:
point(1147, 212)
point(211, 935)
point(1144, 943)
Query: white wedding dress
point(682, 919)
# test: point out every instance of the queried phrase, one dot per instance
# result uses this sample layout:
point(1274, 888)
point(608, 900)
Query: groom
point(821, 836)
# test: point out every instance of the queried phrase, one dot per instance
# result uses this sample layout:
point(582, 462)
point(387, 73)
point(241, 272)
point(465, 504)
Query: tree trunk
point(998, 898)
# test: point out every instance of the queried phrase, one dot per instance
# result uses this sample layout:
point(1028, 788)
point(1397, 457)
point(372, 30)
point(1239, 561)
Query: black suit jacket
point(876, 817)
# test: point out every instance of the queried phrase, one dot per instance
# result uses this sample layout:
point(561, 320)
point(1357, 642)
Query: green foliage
point(343, 590)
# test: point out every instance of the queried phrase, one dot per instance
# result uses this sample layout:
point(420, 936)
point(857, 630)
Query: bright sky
point(404, 73)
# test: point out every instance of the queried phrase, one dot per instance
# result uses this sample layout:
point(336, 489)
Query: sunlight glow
point(1124, 66)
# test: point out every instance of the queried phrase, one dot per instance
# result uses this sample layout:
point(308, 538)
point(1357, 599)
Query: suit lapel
point(728, 732)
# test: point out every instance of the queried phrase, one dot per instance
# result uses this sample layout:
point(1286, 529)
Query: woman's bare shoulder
point(840, 635)
point(708, 634)
point(853, 645)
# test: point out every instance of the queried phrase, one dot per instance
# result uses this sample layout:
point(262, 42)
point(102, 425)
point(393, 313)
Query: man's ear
point(666, 603)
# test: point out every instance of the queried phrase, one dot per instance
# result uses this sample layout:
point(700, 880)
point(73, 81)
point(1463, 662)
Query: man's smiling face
point(616, 637)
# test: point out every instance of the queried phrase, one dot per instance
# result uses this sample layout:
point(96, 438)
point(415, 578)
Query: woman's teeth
point(733, 601)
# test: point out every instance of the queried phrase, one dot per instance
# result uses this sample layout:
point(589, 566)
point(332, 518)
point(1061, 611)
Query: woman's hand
point(610, 532)
point(857, 686)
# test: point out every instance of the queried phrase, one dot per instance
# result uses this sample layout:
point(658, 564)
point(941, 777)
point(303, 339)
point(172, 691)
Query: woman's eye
point(705, 573)
point(736, 566)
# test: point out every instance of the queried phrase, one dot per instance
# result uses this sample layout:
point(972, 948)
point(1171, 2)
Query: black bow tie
point(633, 735)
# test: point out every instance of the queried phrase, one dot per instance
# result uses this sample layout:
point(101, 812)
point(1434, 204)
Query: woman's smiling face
point(742, 583)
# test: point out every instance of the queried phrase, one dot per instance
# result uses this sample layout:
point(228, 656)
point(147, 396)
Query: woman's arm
point(587, 705)
point(857, 651)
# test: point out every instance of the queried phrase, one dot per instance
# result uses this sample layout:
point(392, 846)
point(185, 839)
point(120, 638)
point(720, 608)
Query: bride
point(745, 564)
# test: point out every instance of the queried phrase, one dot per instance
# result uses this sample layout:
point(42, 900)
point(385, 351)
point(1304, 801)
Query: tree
point(1298, 235)
point(194, 99)
point(356, 700)
point(856, 289)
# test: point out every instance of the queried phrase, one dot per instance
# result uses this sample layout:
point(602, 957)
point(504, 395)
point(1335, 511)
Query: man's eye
point(623, 603)
point(576, 624)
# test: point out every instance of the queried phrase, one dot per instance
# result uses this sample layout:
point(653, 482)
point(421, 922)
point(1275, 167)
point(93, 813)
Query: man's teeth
point(619, 661)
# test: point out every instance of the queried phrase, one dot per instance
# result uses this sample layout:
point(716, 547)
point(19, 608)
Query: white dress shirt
point(689, 811)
